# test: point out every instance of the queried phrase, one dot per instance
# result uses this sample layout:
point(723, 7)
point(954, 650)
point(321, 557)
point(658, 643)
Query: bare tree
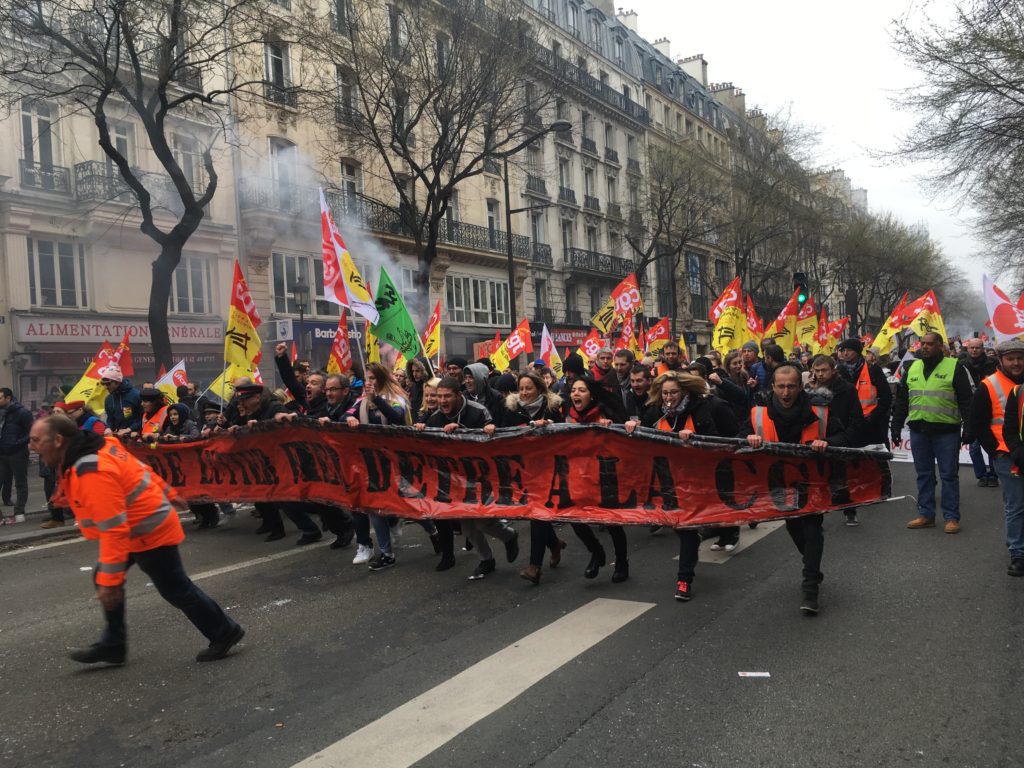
point(684, 194)
point(433, 102)
point(165, 65)
point(970, 124)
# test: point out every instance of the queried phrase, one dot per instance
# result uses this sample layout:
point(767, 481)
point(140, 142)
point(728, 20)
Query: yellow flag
point(730, 330)
point(372, 346)
point(605, 318)
point(88, 390)
point(399, 363)
point(241, 341)
point(359, 297)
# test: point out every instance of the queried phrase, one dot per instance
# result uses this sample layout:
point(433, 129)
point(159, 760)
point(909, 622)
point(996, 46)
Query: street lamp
point(300, 292)
point(560, 126)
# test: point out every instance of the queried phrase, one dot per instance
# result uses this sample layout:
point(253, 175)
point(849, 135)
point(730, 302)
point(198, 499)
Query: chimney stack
point(628, 19)
point(662, 45)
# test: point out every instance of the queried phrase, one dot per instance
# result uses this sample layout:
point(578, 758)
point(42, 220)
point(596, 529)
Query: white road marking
point(415, 729)
point(254, 561)
point(38, 547)
point(748, 536)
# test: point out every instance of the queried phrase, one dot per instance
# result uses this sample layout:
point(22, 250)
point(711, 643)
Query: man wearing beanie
point(123, 405)
point(996, 424)
point(872, 391)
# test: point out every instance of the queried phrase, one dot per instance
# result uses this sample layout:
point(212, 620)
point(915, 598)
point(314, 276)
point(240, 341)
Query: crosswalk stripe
point(415, 729)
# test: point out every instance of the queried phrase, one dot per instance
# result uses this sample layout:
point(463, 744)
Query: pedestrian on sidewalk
point(15, 423)
point(132, 513)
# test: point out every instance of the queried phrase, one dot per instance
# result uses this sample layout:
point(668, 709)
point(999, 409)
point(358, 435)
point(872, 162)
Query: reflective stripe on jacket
point(999, 386)
point(153, 425)
point(765, 427)
point(118, 500)
point(664, 426)
point(867, 392)
point(933, 399)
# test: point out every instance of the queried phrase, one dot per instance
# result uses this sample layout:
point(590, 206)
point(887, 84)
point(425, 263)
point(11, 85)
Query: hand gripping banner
point(578, 473)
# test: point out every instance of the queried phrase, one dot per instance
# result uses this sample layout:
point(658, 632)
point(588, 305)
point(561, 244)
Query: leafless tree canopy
point(971, 116)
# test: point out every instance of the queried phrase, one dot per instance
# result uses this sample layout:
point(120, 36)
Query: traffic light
point(800, 286)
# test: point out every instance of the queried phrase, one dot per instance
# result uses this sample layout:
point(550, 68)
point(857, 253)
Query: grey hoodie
point(489, 398)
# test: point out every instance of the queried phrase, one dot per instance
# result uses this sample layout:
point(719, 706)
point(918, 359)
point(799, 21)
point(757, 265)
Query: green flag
point(395, 327)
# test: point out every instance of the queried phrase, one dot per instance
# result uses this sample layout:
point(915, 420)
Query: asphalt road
point(915, 658)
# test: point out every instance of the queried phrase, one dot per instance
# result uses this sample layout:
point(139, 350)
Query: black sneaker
point(381, 561)
point(96, 653)
point(851, 520)
point(485, 567)
point(220, 649)
point(445, 563)
point(342, 541)
point(684, 592)
point(309, 538)
point(809, 606)
point(512, 548)
point(1016, 567)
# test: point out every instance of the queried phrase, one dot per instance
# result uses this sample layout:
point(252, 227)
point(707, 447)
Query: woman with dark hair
point(591, 403)
point(383, 402)
point(417, 373)
point(179, 424)
point(533, 405)
point(682, 403)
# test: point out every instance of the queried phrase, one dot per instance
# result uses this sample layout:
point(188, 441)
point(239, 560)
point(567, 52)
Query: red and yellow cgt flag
point(432, 333)
point(341, 350)
point(783, 330)
point(516, 344)
point(730, 320)
point(658, 335)
point(755, 328)
point(807, 325)
point(241, 341)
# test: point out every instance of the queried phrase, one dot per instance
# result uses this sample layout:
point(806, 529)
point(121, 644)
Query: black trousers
point(589, 538)
point(446, 537)
point(542, 538)
point(809, 538)
point(163, 565)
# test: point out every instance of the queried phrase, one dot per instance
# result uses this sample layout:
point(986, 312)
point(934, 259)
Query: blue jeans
point(163, 565)
point(382, 528)
point(1013, 504)
point(978, 456)
point(942, 448)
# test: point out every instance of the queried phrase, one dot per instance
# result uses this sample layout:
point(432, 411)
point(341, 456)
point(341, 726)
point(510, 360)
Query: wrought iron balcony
point(282, 95)
point(99, 182)
point(614, 211)
point(588, 145)
point(543, 315)
point(591, 203)
point(263, 194)
point(611, 155)
point(48, 178)
point(567, 195)
point(536, 185)
point(542, 255)
point(633, 165)
point(346, 114)
point(597, 263)
point(573, 317)
point(564, 136)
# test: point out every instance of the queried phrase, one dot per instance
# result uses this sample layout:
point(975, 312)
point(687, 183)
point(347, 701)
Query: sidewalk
point(35, 515)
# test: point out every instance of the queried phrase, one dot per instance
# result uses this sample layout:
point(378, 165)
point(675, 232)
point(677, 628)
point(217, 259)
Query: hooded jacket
point(844, 404)
point(513, 414)
point(471, 415)
point(15, 423)
point(187, 427)
point(485, 395)
point(123, 408)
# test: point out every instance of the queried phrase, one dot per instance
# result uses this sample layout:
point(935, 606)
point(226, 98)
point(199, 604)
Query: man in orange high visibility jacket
point(791, 417)
point(132, 513)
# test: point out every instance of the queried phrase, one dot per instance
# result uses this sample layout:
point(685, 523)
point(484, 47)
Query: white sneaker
point(730, 547)
point(363, 554)
point(716, 547)
point(19, 518)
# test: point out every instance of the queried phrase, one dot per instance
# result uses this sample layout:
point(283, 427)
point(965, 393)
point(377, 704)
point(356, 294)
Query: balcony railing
point(543, 315)
point(611, 155)
point(580, 78)
point(588, 145)
point(376, 216)
point(536, 185)
point(633, 165)
point(96, 181)
point(573, 317)
point(564, 136)
point(614, 211)
point(264, 194)
point(598, 263)
point(49, 178)
point(346, 114)
point(542, 254)
point(567, 195)
point(285, 96)
point(591, 203)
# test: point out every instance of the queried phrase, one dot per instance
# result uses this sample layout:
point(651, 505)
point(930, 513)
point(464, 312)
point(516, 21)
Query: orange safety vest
point(118, 500)
point(154, 423)
point(663, 368)
point(663, 425)
point(867, 392)
point(765, 427)
point(999, 386)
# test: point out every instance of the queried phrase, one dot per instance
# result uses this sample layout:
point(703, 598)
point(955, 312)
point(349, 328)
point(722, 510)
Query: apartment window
point(351, 185)
point(564, 174)
point(399, 30)
point(627, 93)
point(189, 157)
point(535, 160)
point(679, 122)
point(278, 65)
point(634, 196)
point(721, 274)
point(593, 240)
point(540, 293)
point(562, 109)
point(609, 136)
point(631, 147)
point(613, 190)
point(191, 287)
point(444, 47)
point(556, 48)
point(409, 287)
point(122, 136)
point(344, 16)
point(588, 182)
point(595, 34)
point(596, 300)
point(587, 125)
point(537, 229)
point(41, 148)
point(695, 268)
point(620, 57)
point(666, 114)
point(346, 95)
point(657, 75)
point(451, 213)
point(567, 235)
point(56, 274)
point(476, 300)
point(648, 103)
point(614, 243)
point(574, 20)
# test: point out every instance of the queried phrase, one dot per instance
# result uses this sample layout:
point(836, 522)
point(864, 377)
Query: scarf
point(533, 407)
point(589, 416)
point(852, 369)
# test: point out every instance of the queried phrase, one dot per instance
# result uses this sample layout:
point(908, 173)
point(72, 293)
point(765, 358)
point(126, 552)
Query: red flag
point(626, 336)
point(341, 350)
point(755, 327)
point(334, 283)
point(592, 344)
point(162, 372)
point(730, 298)
point(123, 357)
point(295, 351)
point(520, 341)
point(656, 337)
point(627, 296)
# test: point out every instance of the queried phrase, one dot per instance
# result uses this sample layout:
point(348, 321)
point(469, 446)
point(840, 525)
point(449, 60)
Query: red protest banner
point(561, 472)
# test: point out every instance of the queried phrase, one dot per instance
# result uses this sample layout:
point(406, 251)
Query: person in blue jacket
point(123, 404)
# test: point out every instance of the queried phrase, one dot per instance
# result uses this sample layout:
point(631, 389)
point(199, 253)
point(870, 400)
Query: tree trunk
point(159, 298)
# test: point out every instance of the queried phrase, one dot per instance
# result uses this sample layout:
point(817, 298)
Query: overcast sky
point(833, 65)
